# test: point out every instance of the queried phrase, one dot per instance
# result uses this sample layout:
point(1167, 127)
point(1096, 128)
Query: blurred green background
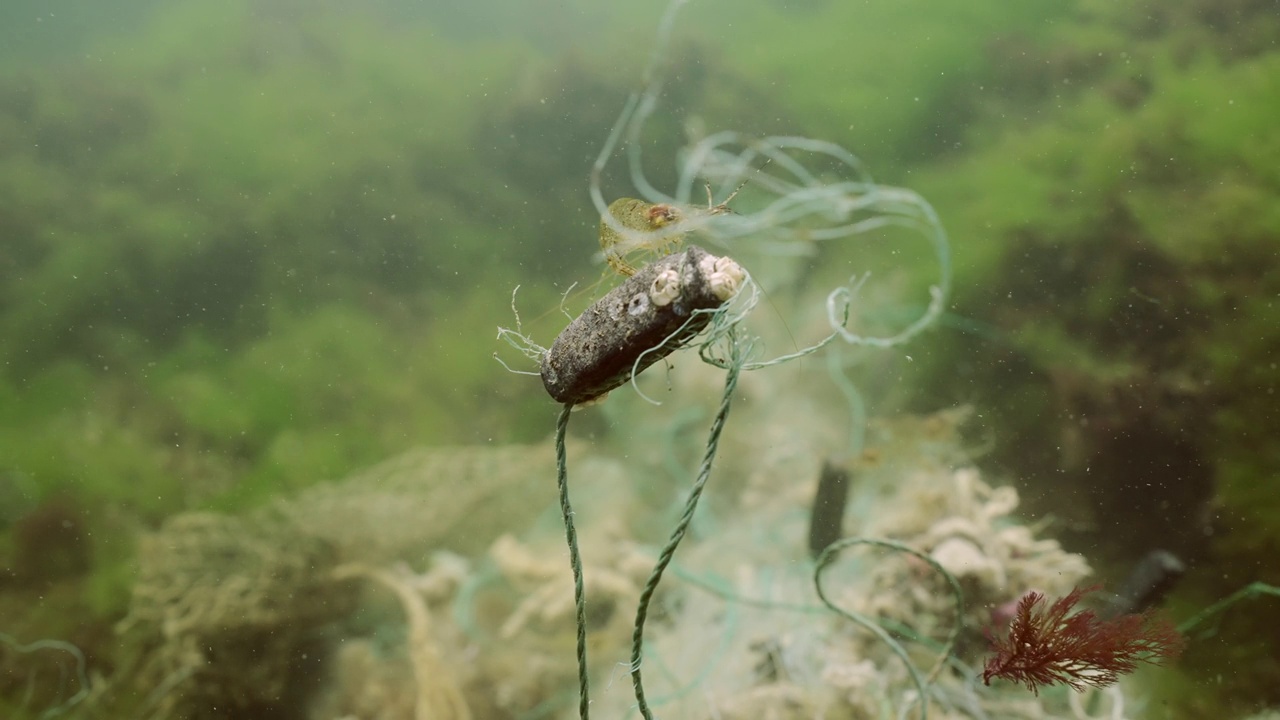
point(248, 247)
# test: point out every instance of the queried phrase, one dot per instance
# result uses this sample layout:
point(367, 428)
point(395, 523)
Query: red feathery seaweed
point(1046, 646)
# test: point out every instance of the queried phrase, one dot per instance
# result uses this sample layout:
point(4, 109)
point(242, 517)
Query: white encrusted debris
point(723, 275)
point(665, 288)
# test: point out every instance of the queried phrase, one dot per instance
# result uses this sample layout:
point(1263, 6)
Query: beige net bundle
point(224, 606)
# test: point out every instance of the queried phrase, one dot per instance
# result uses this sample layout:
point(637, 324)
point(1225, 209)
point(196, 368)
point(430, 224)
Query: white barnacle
point(722, 274)
point(665, 288)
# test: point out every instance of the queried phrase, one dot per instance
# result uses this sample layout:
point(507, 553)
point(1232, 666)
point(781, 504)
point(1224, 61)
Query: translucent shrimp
point(630, 227)
point(805, 192)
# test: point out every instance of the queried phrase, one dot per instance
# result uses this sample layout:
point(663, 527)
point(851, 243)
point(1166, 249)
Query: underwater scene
point(677, 359)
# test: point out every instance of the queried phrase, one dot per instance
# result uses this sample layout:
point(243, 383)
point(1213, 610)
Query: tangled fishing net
point(237, 614)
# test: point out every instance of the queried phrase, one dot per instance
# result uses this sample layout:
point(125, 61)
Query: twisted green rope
point(81, 677)
point(575, 561)
point(691, 505)
point(829, 555)
point(1252, 590)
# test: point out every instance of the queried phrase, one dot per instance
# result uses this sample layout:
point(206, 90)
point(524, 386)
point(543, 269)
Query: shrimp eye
point(660, 215)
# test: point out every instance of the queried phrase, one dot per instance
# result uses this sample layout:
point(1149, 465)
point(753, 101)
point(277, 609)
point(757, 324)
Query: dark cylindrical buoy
point(826, 518)
point(1148, 583)
point(646, 318)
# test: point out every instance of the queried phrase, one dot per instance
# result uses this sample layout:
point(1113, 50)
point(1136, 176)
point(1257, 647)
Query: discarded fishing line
point(600, 352)
point(1252, 590)
point(575, 562)
point(81, 677)
point(829, 555)
point(737, 359)
point(659, 309)
point(802, 192)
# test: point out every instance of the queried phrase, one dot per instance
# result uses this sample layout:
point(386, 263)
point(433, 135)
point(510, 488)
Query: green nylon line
point(1252, 590)
point(81, 677)
point(737, 352)
point(575, 561)
point(829, 555)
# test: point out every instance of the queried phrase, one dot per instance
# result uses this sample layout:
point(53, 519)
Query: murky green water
point(258, 459)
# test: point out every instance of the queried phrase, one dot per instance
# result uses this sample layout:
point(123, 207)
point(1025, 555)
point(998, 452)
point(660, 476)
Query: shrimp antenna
point(723, 207)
